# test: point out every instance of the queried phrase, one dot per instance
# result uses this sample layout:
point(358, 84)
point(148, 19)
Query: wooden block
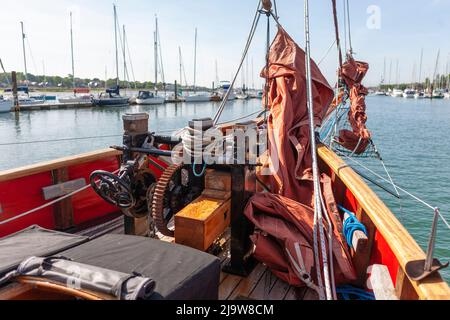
point(216, 194)
point(359, 240)
point(381, 283)
point(199, 224)
point(404, 289)
point(218, 180)
point(63, 210)
point(61, 189)
point(136, 227)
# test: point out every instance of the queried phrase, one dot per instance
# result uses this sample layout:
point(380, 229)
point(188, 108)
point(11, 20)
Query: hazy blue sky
point(406, 26)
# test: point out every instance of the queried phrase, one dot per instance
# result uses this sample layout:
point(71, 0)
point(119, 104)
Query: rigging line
point(131, 62)
point(336, 27)
point(31, 55)
point(247, 46)
point(399, 188)
point(326, 53)
point(240, 118)
point(48, 204)
point(315, 167)
point(345, 25)
point(349, 28)
point(58, 140)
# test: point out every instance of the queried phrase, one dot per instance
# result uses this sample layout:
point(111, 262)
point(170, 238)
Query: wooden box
point(202, 222)
point(217, 180)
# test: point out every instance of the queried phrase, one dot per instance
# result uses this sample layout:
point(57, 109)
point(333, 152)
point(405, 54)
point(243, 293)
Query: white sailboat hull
point(75, 100)
point(6, 106)
point(150, 101)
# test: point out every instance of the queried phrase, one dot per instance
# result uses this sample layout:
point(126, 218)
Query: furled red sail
point(284, 219)
point(352, 73)
point(289, 135)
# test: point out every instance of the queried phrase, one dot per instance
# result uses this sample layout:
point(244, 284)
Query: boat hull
point(6, 106)
point(104, 102)
point(150, 101)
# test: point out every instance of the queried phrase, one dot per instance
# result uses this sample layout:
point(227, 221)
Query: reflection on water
point(411, 135)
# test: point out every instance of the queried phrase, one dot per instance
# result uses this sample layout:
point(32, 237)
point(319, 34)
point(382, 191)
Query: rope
point(58, 140)
point(247, 46)
point(351, 293)
point(401, 189)
point(315, 168)
point(326, 53)
point(349, 28)
point(351, 225)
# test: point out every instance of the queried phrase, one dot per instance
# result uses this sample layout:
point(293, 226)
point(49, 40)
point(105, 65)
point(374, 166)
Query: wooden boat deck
point(261, 284)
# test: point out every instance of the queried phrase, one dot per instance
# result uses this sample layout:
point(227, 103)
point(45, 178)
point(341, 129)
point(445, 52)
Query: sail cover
point(356, 140)
point(288, 124)
point(284, 219)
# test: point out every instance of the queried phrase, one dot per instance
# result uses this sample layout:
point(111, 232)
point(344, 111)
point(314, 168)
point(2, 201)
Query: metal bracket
point(421, 269)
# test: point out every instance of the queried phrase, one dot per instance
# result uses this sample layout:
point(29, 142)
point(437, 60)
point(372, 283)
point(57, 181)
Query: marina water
point(412, 136)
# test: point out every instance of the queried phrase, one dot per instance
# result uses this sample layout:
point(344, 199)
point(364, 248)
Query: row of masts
point(417, 77)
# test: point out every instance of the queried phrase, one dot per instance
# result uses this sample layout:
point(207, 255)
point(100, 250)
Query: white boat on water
point(5, 105)
point(409, 93)
point(242, 96)
point(447, 95)
point(419, 95)
point(397, 93)
point(438, 94)
point(379, 93)
point(225, 86)
point(198, 97)
point(149, 98)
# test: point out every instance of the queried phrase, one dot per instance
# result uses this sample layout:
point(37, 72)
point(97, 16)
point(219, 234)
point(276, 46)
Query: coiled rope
point(351, 225)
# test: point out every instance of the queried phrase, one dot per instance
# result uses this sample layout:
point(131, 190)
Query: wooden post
point(63, 210)
point(14, 89)
point(176, 90)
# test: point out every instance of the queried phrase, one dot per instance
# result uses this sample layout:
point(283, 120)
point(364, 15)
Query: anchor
point(421, 269)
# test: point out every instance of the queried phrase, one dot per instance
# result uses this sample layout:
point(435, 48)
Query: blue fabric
point(351, 225)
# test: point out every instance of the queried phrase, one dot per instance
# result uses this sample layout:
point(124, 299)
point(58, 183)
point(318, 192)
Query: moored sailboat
point(112, 96)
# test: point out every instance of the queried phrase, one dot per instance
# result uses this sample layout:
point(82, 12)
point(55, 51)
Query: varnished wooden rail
point(57, 164)
point(398, 238)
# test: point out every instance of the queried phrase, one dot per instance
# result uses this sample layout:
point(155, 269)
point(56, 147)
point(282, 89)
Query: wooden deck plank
point(247, 285)
point(265, 284)
point(228, 285)
point(279, 290)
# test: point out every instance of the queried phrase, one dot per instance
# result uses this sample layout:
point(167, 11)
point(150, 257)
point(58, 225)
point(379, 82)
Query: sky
point(380, 30)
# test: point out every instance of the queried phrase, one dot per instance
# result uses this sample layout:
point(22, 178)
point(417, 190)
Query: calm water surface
point(412, 135)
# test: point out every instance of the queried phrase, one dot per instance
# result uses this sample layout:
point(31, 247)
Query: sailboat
point(147, 97)
point(5, 105)
point(85, 98)
point(231, 227)
point(112, 96)
point(197, 96)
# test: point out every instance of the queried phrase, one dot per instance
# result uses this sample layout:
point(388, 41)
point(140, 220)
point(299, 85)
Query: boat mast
point(117, 49)
point(24, 53)
point(420, 67)
point(125, 71)
point(181, 66)
point(435, 70)
point(71, 49)
point(155, 35)
point(195, 62)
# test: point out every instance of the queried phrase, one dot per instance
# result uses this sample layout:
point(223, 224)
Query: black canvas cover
point(33, 241)
point(80, 276)
point(179, 272)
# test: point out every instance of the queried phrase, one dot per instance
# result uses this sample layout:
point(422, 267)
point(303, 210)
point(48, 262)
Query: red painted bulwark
point(87, 205)
point(21, 195)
